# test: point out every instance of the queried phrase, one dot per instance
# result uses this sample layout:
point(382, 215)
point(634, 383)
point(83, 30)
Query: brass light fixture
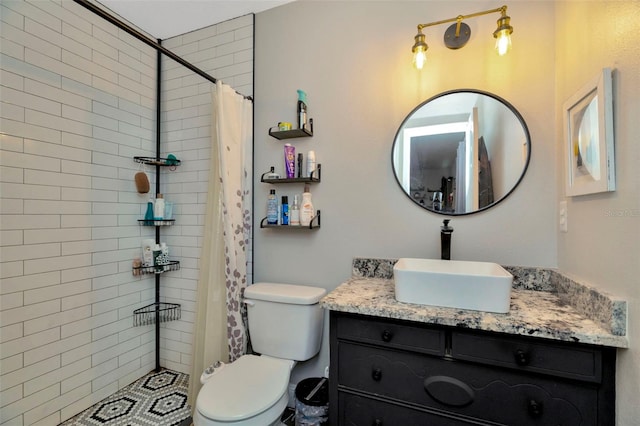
point(458, 34)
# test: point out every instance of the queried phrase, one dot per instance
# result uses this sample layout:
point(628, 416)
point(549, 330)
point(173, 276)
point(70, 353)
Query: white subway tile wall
point(77, 104)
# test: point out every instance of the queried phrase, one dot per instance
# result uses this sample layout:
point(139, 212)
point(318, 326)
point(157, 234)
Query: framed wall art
point(588, 129)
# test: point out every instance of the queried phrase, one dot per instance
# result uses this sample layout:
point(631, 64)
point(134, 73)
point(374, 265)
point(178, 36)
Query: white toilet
point(285, 326)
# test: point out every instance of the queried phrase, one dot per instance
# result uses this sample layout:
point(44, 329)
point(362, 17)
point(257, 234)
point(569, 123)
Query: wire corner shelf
point(156, 312)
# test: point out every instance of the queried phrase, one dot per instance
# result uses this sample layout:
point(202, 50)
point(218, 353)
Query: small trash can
point(312, 402)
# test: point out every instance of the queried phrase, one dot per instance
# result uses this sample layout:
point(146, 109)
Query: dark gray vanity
point(544, 363)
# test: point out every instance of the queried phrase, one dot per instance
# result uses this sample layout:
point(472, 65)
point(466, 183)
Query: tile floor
point(157, 399)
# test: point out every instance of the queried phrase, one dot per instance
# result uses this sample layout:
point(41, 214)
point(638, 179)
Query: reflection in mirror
point(461, 152)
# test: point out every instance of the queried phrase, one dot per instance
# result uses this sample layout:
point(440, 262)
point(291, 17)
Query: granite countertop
point(543, 312)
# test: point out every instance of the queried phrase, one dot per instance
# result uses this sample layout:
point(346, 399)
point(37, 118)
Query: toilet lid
point(244, 388)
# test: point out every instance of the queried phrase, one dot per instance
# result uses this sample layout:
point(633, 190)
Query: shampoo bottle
point(272, 208)
point(306, 210)
point(302, 109)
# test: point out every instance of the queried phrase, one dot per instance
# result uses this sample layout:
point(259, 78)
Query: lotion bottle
point(306, 210)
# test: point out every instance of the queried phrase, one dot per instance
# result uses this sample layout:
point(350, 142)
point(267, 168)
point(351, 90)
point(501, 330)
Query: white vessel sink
point(479, 286)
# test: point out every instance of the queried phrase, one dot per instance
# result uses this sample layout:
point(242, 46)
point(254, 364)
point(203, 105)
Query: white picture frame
point(589, 140)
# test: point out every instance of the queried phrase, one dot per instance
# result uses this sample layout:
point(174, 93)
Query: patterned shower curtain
point(219, 330)
point(232, 124)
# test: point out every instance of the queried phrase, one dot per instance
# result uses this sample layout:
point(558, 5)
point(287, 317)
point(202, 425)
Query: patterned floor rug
point(157, 399)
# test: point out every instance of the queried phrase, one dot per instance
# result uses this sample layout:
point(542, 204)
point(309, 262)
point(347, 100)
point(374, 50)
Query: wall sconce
point(458, 34)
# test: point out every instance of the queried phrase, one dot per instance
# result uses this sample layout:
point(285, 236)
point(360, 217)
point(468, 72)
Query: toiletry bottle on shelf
point(148, 216)
point(299, 171)
point(137, 264)
point(168, 210)
point(272, 208)
point(302, 109)
point(165, 255)
point(158, 209)
point(157, 258)
point(147, 251)
point(311, 164)
point(285, 210)
point(290, 160)
point(306, 210)
point(294, 212)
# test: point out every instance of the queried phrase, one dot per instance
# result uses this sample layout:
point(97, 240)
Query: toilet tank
point(285, 320)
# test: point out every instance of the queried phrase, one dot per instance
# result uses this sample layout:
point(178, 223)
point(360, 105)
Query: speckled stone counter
point(544, 304)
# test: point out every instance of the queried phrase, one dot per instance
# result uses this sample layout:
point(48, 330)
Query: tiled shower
point(78, 103)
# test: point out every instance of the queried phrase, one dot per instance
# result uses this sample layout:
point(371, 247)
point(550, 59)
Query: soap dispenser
point(445, 240)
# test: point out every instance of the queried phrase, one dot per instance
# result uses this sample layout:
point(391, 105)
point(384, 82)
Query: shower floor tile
point(158, 399)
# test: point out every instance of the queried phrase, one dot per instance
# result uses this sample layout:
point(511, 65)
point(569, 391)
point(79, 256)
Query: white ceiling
point(168, 18)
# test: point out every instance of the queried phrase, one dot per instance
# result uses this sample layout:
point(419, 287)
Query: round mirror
point(461, 152)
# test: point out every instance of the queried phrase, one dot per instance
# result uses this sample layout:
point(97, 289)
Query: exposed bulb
point(419, 50)
point(503, 33)
point(419, 58)
point(503, 42)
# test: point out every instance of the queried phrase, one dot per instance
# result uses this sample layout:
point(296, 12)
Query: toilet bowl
point(252, 391)
point(285, 325)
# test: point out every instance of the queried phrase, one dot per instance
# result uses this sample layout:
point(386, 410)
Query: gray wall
point(354, 60)
point(603, 242)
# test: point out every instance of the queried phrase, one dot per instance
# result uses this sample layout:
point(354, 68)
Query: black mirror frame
point(450, 92)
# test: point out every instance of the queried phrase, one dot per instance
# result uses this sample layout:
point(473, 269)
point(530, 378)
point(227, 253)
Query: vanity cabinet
point(394, 372)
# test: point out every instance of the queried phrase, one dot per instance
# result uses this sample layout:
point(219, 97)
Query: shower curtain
point(219, 329)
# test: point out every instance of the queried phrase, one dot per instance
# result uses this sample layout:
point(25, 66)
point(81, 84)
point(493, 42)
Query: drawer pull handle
point(377, 422)
point(387, 336)
point(522, 358)
point(535, 408)
point(376, 374)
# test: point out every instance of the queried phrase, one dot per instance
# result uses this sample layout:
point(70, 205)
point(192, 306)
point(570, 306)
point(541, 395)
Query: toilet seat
point(245, 389)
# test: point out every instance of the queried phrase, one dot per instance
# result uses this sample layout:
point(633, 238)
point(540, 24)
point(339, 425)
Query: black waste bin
point(312, 402)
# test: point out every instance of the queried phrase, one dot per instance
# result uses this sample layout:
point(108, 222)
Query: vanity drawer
point(390, 333)
point(388, 372)
point(361, 411)
point(573, 362)
point(467, 390)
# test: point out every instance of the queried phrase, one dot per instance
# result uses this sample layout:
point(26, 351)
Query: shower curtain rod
point(137, 34)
